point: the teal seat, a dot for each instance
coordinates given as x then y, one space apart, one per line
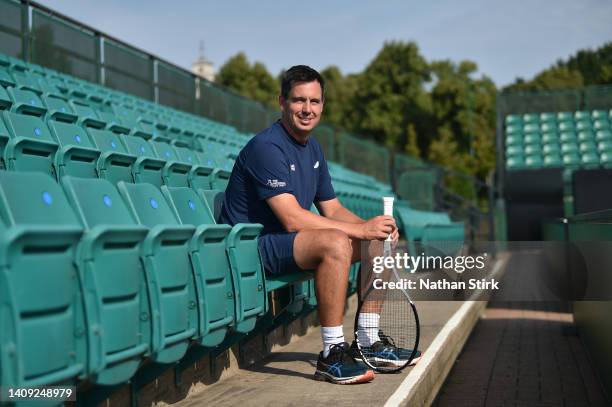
602 124
115 163
566 126
548 117
586 136
531 118
571 159
170 277
246 266
207 251
552 148
176 172
26 102
553 160
58 109
201 173
603 135
513 119
514 128
529 128
5 100
584 125
6 79
514 140
565 117
41 340
550 127
87 117
599 114
568 137
533 138
534 149
581 115
569 148
25 80
31 147
513 151
148 168
113 123
606 159
76 156
116 302
588 147
604 146
550 137
533 161
590 159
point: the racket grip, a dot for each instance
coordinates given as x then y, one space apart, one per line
388 209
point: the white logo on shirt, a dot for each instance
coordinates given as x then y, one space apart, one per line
292 166
274 183
316 165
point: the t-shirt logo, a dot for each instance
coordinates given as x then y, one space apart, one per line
292 166
274 183
316 165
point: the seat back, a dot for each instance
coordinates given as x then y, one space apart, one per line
115 163
148 167
77 155
38 291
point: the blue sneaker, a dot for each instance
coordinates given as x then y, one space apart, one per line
340 367
384 353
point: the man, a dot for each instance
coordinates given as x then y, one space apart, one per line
278 175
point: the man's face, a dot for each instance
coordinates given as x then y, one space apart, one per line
303 107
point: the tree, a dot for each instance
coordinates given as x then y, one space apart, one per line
339 94
252 81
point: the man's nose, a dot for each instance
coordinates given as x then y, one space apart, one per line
306 107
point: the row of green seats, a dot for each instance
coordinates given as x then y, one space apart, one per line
548 117
555 138
586 160
529 128
106 276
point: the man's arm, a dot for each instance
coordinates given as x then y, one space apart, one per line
333 209
294 218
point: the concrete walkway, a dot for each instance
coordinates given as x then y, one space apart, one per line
285 377
523 354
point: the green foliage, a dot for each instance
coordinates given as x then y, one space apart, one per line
252 81
585 68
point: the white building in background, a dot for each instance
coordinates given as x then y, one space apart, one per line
203 67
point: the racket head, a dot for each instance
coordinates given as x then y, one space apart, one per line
395 317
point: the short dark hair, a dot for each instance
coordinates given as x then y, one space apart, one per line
300 73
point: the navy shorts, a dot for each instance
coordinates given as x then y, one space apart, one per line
276 251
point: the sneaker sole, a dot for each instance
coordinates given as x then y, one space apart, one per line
368 376
396 362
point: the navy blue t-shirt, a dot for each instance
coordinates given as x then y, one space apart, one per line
270 164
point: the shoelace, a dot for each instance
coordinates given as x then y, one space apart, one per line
344 349
386 339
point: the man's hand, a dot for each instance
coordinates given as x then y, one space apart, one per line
379 228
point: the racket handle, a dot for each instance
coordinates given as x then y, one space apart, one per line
388 209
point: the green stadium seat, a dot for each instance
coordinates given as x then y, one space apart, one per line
76 156
514 163
176 173
588 147
210 262
565 117
601 124
6 79
57 82
31 147
109 266
584 125
586 135
514 119
512 151
548 118
552 160
603 135
571 159
87 116
26 102
246 266
5 100
599 114
148 167
112 122
533 138
58 109
531 128
606 159
170 277
604 146
200 174
581 115
515 139
41 319
590 159
548 138
534 149
568 137
534 161
552 148
115 163
550 127
531 118
514 128
566 126
24 80
569 148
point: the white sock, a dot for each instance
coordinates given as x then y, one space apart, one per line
331 336
367 328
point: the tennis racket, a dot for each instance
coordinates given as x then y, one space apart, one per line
386 325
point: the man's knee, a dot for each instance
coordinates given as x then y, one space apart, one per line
336 245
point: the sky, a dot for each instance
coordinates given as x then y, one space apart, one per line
507 39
